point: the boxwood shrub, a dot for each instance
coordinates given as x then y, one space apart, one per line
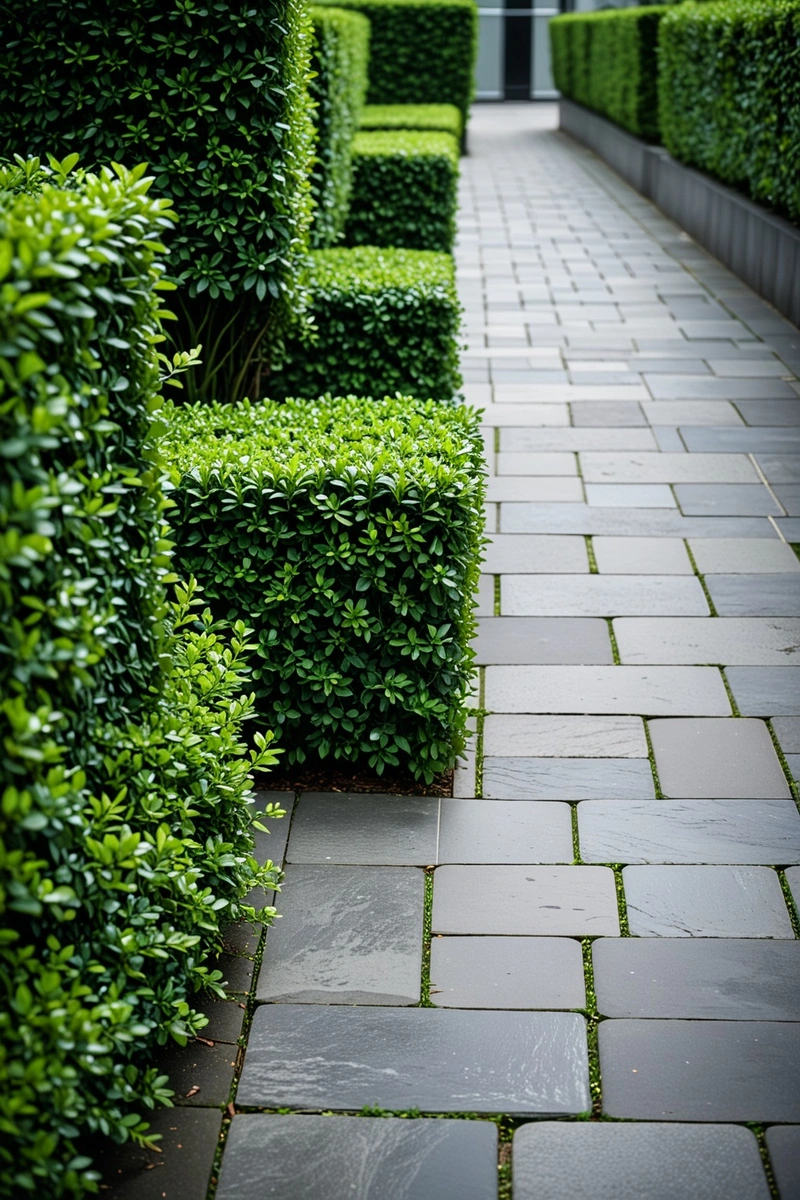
338 86
405 186
444 118
349 531
729 94
608 62
214 97
386 321
125 832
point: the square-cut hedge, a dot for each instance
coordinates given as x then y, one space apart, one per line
405 186
348 533
441 118
339 61
386 321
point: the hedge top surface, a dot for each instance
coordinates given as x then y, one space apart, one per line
406 143
371 269
445 118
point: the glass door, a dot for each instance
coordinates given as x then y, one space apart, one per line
514 49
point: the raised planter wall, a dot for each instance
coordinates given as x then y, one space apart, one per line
762 249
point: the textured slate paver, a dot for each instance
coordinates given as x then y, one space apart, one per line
654 691
520 735
715 901
530 487
537 553
629 495
734 641
741 556
627 522
497 972
558 1161
378 830
525 901
543 640
180 1167
783 1144
766 691
667 468
436 1060
726 500
641 556
717 757
602 595
338 1158
700 1070
479 831
689 831
200 1075
347 935
567 778
793 880
720 979
746 595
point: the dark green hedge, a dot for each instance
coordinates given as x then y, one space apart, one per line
215 99
338 86
444 118
608 62
729 93
421 51
387 321
349 533
125 834
405 190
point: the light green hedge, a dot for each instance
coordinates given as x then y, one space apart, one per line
387 321
405 190
348 531
444 118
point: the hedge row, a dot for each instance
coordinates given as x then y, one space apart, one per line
444 118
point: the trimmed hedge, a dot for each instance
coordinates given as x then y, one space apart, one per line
338 86
125 833
608 62
215 99
729 94
349 531
421 51
387 321
443 118
405 190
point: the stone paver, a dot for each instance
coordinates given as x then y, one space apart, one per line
525 901
783 1144
654 691
538 554
602 595
726 500
498 972
177 1167
733 556
667 468
732 641
765 691
715 901
746 596
581 640
641 556
558 1161
717 757
505 831
567 778
376 830
519 735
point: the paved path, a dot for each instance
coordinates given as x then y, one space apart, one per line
613 929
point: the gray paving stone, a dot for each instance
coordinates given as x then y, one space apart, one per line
523 553
351 830
787 731
667 468
691 412
347 935
339 1158
700 1070
544 464
567 778
642 556
742 441
704 832
742 368
543 640
625 522
225 1018
789 527
200 1075
793 880
629 495
765 691
602 595
485 597
717 757
753 596
748 641
780 468
435 1060
178 1169
545 488
793 765
716 901
517 445
519 735
669 439
709 979
783 1144
687 387
770 412
496 972
504 831
606 414
558 1161
726 500
653 691
525 901
743 556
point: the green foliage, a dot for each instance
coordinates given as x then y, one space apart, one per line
349 531
445 118
729 94
125 832
607 61
405 190
421 51
386 321
338 86
214 98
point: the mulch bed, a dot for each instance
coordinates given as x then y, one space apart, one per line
347 778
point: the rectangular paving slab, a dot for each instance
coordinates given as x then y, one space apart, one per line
630 495
667 468
560 1161
742 441
724 901
178 1166
726 500
745 832
347 935
732 641
543 640
628 522
537 553
700 1070
525 901
370 829
517 735
709 979
567 778
721 757
340 1158
641 556
497 972
742 556
783 1144
751 596
519 446
505 831
601 595
653 691
765 691
787 731
435 1060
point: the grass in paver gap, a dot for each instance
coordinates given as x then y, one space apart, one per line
760 1132
624 929
497 595
701 578
794 915
793 788
427 924
731 698
576 846
795 546
652 757
613 639
481 717
592 1021
593 568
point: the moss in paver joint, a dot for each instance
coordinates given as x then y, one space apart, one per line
793 788
427 923
624 929
761 1137
653 766
576 846
497 595
613 639
702 581
731 698
592 1021
794 915
593 568
481 717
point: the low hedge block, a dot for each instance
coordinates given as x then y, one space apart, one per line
387 321
404 190
441 118
348 532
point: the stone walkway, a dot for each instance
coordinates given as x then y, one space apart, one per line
613 929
